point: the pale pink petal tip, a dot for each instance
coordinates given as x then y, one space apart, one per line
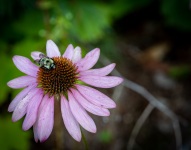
25 65
102 82
96 97
69 52
89 60
19 97
52 49
100 71
32 111
35 55
21 82
35 133
70 122
21 108
94 109
81 115
77 55
45 120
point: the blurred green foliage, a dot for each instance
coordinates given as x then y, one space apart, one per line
177 13
27 24
12 136
180 72
105 136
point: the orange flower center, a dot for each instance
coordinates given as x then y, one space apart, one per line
59 79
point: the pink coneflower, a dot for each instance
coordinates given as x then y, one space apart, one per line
59 77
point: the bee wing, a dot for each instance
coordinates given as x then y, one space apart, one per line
41 55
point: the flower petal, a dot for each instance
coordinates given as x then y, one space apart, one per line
52 49
35 55
32 110
21 82
89 60
35 133
70 122
77 55
94 109
21 108
96 97
45 120
69 52
25 65
99 72
102 82
20 96
81 115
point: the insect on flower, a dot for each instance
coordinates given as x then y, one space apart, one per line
65 76
45 61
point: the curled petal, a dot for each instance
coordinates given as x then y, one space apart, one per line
25 65
94 109
102 82
21 82
51 49
89 60
44 124
99 72
96 97
69 52
81 115
21 108
70 122
32 110
20 96
77 55
35 55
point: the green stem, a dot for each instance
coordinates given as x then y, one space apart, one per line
58 125
84 141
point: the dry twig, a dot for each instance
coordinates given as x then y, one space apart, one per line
153 103
138 125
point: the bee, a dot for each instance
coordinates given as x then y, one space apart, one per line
45 62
